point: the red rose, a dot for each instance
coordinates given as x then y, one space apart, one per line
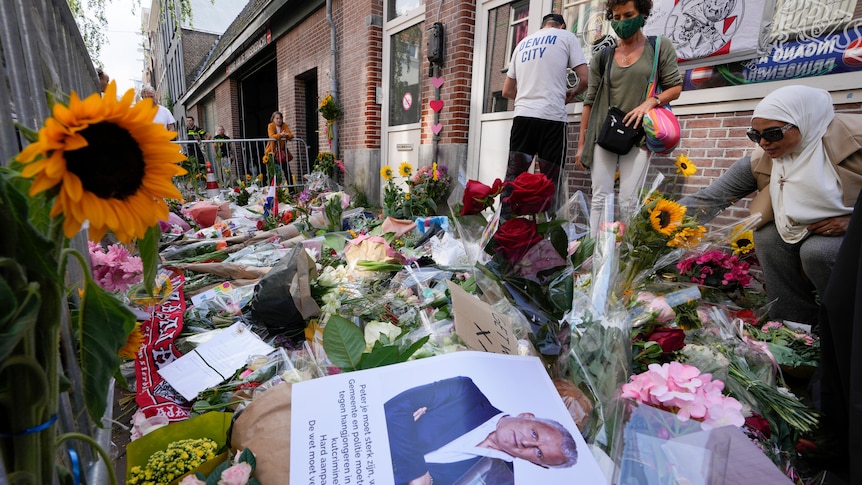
478 196
515 237
531 193
670 339
759 423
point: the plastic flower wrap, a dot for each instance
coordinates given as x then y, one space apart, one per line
179 458
656 236
684 390
430 181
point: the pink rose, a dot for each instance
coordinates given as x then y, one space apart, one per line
236 475
192 480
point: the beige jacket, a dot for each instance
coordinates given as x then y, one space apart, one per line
843 144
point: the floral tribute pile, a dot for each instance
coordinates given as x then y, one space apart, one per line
652 311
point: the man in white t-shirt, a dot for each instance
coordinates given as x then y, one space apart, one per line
164 115
537 81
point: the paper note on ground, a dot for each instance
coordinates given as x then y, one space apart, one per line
479 326
215 361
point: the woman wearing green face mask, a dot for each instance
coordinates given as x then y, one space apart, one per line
627 77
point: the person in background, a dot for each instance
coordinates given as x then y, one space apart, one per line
279 134
537 81
195 134
223 154
808 169
164 115
628 76
104 79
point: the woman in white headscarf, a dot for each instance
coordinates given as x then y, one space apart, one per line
815 179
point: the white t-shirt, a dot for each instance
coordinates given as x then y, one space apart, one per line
164 117
539 65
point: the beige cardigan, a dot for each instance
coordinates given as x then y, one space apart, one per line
843 144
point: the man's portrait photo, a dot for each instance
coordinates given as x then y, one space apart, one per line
448 432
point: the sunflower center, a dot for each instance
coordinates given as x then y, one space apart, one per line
743 243
111 165
663 218
683 166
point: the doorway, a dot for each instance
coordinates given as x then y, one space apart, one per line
258 98
312 118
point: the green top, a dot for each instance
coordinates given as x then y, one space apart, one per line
629 87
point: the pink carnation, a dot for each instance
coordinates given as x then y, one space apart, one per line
682 389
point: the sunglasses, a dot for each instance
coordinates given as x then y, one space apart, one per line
771 135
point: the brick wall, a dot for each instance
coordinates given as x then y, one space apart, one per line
712 142
196 45
458 19
227 107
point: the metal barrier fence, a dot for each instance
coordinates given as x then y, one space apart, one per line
234 160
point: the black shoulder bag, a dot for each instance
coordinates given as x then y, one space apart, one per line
615 136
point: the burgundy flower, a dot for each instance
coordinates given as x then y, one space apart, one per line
515 237
478 196
531 193
758 423
670 339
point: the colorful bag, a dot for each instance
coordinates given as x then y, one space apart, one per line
660 124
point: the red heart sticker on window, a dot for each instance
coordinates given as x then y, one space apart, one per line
436 105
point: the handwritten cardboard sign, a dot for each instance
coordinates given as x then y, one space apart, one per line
479 326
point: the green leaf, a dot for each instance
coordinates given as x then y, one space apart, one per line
215 475
149 249
343 342
105 325
22 318
379 357
413 348
248 457
21 240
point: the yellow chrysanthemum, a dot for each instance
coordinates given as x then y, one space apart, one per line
405 170
666 216
687 237
743 242
435 174
386 173
113 166
684 166
133 343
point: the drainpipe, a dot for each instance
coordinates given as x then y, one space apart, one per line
333 73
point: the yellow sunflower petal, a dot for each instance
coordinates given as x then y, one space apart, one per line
72 186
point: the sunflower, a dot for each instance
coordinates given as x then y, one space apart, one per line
386 173
687 237
133 343
666 216
110 163
405 170
684 165
742 242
